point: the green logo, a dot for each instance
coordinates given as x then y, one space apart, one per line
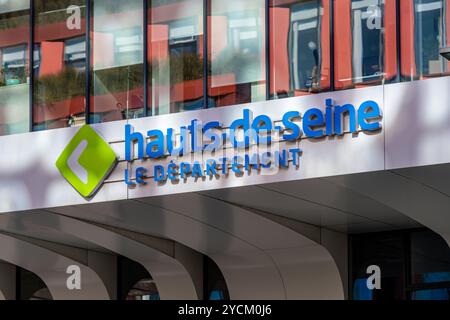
86 161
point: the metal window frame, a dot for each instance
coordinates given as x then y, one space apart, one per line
398 41
331 18
205 54
18 279
31 67
267 46
87 92
145 52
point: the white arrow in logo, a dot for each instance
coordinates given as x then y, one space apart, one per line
74 164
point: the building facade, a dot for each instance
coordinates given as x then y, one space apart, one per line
212 149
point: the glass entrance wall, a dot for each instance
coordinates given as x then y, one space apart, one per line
14 66
414 265
154 57
430 267
385 250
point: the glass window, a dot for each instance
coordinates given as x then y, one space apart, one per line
430 266
431 294
385 250
430 258
59 64
299 47
214 285
365 42
425 25
236 52
414 264
175 54
14 66
117 75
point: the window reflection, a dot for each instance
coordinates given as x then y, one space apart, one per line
299 47
430 258
425 24
14 66
59 64
431 294
175 55
365 53
430 266
365 48
419 256
144 289
236 55
117 60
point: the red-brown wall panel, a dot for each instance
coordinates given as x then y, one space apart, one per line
408 61
279 56
325 46
342 44
52 58
390 60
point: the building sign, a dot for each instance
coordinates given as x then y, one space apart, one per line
197 150
86 161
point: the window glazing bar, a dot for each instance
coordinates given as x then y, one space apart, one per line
145 51
88 62
31 66
205 54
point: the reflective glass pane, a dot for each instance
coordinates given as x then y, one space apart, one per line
299 47
236 52
431 294
385 250
424 27
117 75
430 258
14 66
175 54
59 64
365 42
